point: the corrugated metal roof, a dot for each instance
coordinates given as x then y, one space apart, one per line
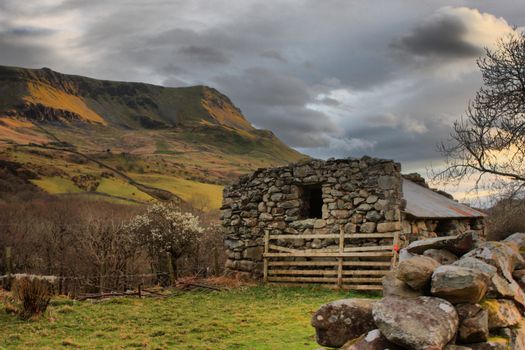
425 203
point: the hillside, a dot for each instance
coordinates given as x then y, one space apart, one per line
188 141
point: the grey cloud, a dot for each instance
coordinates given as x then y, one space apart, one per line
27 32
266 87
274 61
204 54
440 36
274 54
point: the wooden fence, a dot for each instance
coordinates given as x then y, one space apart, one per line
350 266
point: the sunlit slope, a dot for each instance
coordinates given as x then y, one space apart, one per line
189 141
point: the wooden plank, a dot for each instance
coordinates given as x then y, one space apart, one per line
302 279
300 253
339 274
331 286
362 287
302 272
367 263
307 236
369 235
329 263
369 249
283 249
362 279
365 272
333 236
305 263
322 279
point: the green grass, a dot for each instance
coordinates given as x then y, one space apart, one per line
202 195
119 188
248 318
56 185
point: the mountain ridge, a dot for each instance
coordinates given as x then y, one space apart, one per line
157 135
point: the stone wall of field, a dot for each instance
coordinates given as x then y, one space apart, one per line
358 196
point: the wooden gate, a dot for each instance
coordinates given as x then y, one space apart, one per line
350 266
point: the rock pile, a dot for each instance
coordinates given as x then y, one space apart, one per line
451 293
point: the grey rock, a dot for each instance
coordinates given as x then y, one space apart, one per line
502 313
416 271
442 256
459 284
373 340
459 244
420 323
395 287
340 321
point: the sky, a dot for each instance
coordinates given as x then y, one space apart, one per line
331 78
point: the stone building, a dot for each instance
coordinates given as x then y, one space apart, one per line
346 198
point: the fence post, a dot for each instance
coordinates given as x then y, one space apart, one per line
340 259
265 260
8 266
395 252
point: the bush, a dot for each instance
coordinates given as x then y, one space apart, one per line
505 218
34 295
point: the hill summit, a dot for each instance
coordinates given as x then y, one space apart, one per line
151 133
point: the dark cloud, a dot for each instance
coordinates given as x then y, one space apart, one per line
26 32
442 36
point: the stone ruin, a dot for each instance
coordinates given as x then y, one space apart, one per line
451 293
363 195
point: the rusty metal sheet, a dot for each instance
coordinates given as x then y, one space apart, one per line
425 203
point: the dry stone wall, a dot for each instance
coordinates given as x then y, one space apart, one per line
357 195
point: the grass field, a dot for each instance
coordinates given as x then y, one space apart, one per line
243 318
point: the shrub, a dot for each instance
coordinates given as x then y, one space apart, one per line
33 294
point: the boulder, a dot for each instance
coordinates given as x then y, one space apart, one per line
456 347
373 340
442 256
518 238
459 244
459 284
519 277
416 271
393 286
517 336
502 313
495 343
341 321
473 323
478 264
505 257
420 323
499 287
404 254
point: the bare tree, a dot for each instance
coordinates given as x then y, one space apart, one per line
490 137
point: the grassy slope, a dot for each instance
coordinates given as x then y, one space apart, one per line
211 143
251 318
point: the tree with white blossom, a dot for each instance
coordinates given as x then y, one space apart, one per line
165 229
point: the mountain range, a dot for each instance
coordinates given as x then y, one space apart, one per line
75 135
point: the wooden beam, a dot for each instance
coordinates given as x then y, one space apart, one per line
327 254
333 236
369 249
329 263
283 249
